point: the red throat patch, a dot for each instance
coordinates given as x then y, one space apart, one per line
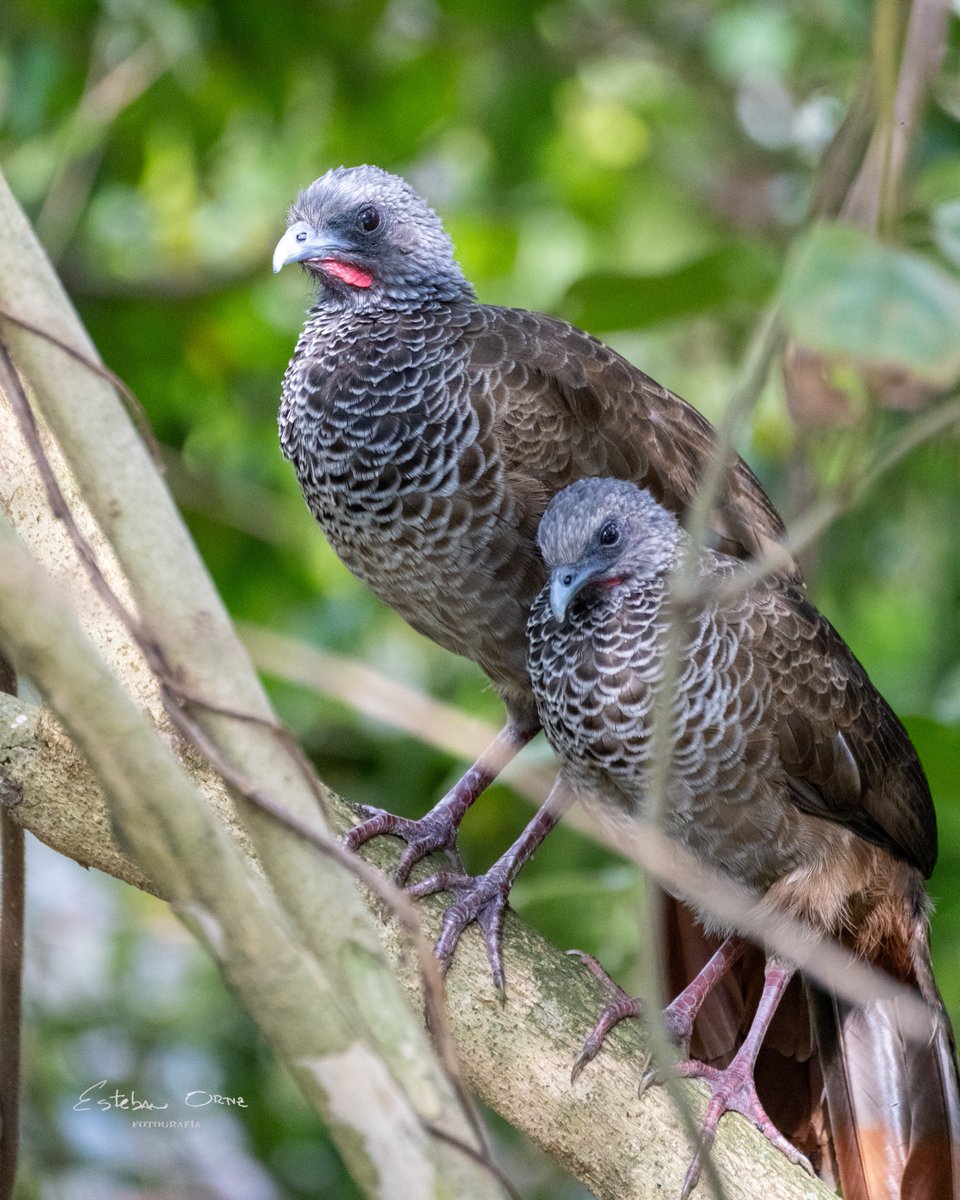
348 273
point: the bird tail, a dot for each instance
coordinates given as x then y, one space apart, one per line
893 1102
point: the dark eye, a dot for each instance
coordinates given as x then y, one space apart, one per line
609 535
368 218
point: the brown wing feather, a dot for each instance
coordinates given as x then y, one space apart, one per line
846 754
567 406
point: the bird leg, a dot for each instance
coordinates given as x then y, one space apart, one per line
678 1016
483 898
681 1012
732 1089
437 829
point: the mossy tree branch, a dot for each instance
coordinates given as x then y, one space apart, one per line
517 1056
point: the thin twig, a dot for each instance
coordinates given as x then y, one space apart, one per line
366 690
100 104
682 587
872 197
134 408
443 1136
389 893
12 387
827 961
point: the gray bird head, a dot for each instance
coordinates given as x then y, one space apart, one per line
369 238
604 532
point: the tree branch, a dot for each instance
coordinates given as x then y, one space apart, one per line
518 1057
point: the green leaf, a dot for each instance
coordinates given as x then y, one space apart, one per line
737 272
845 293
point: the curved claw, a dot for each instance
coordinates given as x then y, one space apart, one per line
434 831
376 821
648 1075
620 1008
483 898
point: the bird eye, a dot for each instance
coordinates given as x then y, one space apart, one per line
368 218
609 535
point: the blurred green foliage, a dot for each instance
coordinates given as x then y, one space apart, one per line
642 168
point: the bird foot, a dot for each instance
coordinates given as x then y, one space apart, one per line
437 830
483 898
731 1090
620 1008
679 1024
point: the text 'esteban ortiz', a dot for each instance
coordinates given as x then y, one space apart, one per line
199 1098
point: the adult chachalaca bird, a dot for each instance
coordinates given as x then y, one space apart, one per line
428 433
789 772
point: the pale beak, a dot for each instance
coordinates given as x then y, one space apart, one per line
302 241
565 582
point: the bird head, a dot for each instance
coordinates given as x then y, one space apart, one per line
367 236
600 533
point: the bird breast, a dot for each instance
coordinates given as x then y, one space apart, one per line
596 678
399 465
376 421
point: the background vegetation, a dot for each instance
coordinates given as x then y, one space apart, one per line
644 169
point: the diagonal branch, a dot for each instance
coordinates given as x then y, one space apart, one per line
517 1056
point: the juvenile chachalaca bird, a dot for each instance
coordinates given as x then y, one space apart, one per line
789 772
428 433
